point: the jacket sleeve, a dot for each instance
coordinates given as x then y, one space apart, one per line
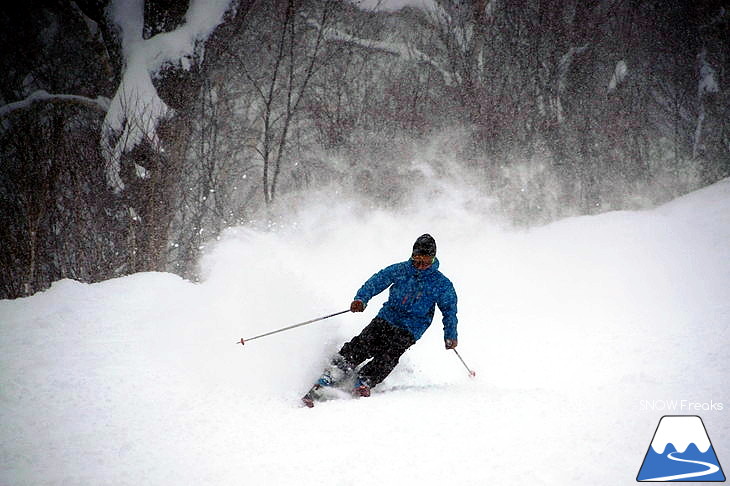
376 284
447 306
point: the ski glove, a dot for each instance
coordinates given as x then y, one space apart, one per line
451 343
357 306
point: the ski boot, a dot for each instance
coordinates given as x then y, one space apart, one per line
333 374
361 388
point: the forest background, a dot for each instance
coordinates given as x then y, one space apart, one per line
552 108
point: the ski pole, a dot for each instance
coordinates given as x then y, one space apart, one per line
244 341
471 373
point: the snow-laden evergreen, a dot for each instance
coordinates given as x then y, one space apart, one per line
581 332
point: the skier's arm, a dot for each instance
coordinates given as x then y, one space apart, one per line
376 284
447 306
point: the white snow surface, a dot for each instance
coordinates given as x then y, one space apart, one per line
572 328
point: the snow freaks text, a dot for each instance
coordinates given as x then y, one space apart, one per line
680 406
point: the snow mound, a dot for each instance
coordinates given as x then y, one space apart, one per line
570 327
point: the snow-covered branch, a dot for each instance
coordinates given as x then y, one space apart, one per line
393 48
562 78
708 76
136 97
99 103
619 73
564 65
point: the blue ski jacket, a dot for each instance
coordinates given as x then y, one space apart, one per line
413 296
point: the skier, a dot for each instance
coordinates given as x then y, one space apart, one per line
416 288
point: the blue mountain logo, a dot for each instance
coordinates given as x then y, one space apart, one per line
681 451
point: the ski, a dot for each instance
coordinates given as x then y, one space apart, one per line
338 381
322 393
311 396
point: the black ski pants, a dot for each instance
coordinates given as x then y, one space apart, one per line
381 341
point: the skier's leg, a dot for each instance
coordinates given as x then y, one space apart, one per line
362 346
386 354
354 352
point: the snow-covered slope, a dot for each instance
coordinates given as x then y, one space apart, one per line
581 332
